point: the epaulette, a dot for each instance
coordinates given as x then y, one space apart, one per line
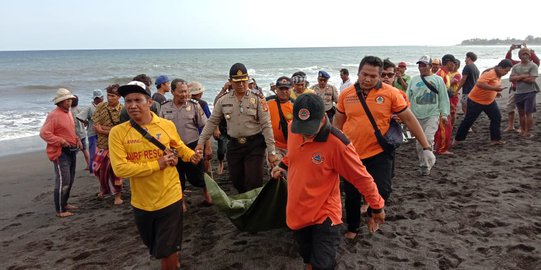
193 101
165 102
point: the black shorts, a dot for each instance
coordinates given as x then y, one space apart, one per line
161 230
318 244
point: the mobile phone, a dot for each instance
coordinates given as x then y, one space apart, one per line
518 46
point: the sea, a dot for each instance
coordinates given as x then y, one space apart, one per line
29 79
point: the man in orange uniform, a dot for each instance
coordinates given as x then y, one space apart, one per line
317 154
442 139
281 109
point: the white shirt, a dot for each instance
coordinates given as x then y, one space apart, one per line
344 85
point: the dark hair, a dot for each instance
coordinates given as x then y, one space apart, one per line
372 61
75 101
472 56
175 82
387 64
113 89
505 63
299 73
144 79
344 71
457 63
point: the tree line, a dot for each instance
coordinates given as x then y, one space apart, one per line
496 41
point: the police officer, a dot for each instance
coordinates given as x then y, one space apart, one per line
188 117
248 128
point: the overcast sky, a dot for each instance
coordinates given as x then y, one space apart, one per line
119 24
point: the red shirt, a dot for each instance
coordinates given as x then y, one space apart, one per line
58 126
313 177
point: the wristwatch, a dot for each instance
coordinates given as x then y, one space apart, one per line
427 148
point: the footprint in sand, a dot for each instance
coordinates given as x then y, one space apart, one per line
82 256
521 247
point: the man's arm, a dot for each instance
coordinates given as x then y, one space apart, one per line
414 127
47 133
339 120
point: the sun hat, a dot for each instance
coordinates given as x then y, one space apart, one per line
196 88
133 87
308 111
62 94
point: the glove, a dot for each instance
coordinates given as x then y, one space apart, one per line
430 158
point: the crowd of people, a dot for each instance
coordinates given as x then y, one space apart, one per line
314 136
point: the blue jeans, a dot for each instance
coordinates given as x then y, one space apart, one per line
473 112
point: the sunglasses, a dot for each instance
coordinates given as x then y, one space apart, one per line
388 75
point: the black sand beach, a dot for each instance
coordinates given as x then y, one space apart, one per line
479 209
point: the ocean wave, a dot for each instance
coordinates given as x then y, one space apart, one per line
16 125
40 87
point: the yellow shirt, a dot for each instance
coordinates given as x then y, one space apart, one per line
135 157
294 95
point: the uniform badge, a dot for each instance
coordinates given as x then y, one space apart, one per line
252 100
289 116
227 116
304 114
317 158
189 108
264 105
379 100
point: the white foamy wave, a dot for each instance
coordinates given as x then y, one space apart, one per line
349 65
16 125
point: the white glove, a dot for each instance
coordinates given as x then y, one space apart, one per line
429 157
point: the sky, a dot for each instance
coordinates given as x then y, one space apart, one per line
138 24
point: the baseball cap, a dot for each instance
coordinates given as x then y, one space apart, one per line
298 79
425 59
436 61
323 74
308 111
97 93
283 82
448 57
133 87
238 73
161 79
402 64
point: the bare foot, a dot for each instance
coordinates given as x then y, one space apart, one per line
208 199
118 199
64 214
350 235
184 207
364 208
221 168
497 142
101 196
372 225
509 129
71 207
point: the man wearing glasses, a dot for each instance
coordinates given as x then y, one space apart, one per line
327 92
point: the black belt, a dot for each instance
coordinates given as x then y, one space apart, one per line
243 140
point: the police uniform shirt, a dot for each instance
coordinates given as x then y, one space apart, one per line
187 118
329 95
244 118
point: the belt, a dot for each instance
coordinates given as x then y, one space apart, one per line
243 140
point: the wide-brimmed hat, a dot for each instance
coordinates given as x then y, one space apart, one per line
196 88
62 94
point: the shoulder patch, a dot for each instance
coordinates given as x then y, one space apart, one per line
341 136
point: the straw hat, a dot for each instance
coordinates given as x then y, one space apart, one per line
62 94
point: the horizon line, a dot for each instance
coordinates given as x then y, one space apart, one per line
226 48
